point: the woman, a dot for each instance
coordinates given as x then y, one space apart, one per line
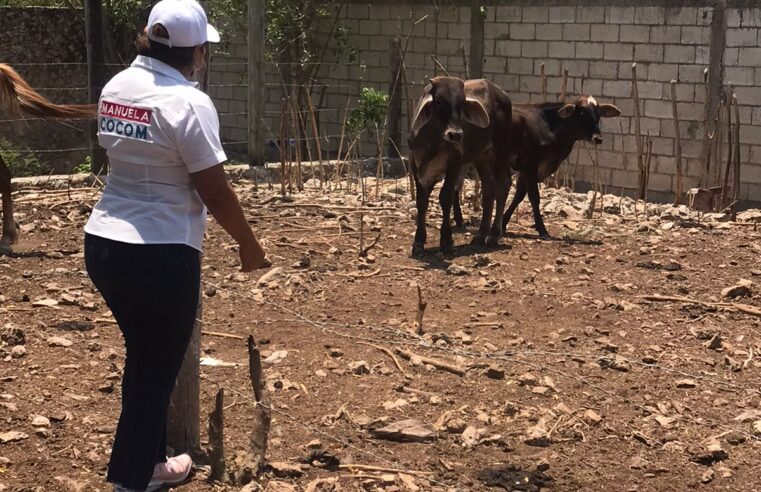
144 238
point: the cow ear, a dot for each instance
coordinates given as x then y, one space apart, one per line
609 111
423 114
475 113
567 111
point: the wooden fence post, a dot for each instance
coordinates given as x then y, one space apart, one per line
95 78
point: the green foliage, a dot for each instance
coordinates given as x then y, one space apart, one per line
371 111
21 162
84 167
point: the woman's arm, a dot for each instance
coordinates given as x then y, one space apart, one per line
220 199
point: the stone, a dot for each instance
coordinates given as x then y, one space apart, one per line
285 470
708 476
742 289
359 368
275 486
59 342
591 417
748 416
686 383
12 436
40 421
457 270
495 373
18 351
410 430
470 436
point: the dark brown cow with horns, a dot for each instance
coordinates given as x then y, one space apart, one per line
457 123
18 98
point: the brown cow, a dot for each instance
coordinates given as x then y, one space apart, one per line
17 97
544 136
457 123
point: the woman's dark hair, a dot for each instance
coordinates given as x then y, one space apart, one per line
178 58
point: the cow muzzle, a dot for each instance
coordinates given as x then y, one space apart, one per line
597 139
453 136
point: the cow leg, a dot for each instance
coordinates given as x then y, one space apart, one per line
497 228
533 197
520 194
459 224
422 197
10 233
446 197
487 205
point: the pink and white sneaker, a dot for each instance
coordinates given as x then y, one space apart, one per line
173 472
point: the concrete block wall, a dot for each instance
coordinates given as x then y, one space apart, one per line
596 42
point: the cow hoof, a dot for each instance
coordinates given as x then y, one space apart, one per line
492 241
447 249
418 249
478 241
5 249
544 235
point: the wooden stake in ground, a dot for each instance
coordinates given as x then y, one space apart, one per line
262 412
466 68
281 144
544 83
638 132
444 366
420 312
316 134
736 184
730 148
217 438
678 146
564 86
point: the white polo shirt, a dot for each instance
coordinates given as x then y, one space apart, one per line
157 128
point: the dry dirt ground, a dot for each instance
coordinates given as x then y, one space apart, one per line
573 380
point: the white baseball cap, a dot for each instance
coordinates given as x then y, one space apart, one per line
185 21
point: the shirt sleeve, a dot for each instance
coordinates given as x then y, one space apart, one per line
198 137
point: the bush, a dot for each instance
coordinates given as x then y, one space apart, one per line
21 162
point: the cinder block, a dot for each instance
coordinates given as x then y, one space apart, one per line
523 31
448 14
562 15
529 83
576 68
648 53
576 32
691 73
369 27
616 88
590 14
593 87
562 50
750 134
702 55
424 45
732 56
508 14
705 16
358 11
604 32
536 14
650 90
740 76
619 15
690 111
458 31
604 70
684 16
589 51
695 35
618 51
548 32
520 66
534 49
495 64
751 17
507 48
742 37
749 57
660 182
379 11
658 109
679 54
748 96
649 15
634 34
495 30
665 34
625 71
663 72
627 179
551 66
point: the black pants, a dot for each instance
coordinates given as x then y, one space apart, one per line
152 291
